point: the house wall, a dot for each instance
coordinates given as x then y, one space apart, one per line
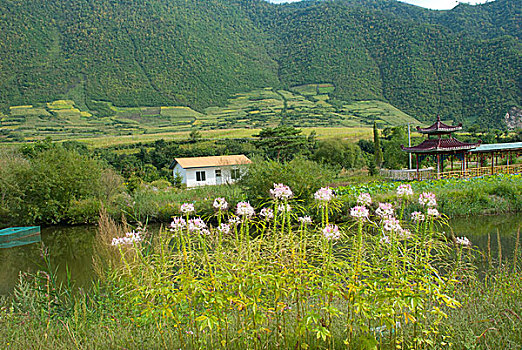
189 175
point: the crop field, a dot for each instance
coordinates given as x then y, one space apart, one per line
307 106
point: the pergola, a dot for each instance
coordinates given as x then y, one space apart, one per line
440 147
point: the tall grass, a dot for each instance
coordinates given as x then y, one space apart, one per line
378 280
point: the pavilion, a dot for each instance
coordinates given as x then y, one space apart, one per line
443 148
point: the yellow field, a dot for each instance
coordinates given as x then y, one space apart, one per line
322 133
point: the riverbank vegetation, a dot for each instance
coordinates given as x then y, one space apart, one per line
282 275
67 183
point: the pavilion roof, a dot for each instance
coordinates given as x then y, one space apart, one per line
440 146
439 128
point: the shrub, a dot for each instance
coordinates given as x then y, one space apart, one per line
302 175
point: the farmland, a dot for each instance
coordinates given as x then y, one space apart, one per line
306 106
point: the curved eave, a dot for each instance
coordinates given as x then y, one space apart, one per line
435 146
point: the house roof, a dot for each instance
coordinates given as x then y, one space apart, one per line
214 161
439 128
440 145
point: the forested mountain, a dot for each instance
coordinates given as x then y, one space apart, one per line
463 64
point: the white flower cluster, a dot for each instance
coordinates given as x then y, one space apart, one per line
178 223
427 199
463 241
404 190
267 213
331 232
220 204
305 220
433 212
130 238
391 224
324 194
417 216
284 208
359 212
281 191
187 208
245 209
224 229
197 225
364 199
385 210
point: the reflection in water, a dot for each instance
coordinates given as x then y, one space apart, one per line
477 230
67 246
72 247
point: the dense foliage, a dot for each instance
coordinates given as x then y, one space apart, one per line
462 64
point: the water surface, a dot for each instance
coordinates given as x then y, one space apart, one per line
72 247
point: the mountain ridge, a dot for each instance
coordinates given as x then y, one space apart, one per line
165 52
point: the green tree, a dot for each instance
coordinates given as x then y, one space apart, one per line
283 143
377 144
338 152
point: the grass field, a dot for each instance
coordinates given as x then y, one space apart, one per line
306 106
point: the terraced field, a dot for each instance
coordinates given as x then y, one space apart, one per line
305 106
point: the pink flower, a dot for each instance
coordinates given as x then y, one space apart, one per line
324 194
177 223
385 210
245 209
417 216
197 225
427 199
391 224
281 191
331 232
404 190
359 212
364 199
267 213
220 204
305 220
187 208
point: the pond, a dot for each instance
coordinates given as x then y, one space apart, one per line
72 247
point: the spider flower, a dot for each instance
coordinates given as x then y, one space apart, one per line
130 238
391 224
433 212
427 199
417 216
324 194
331 232
359 212
404 190
305 220
463 241
220 204
224 229
267 213
364 199
385 210
281 191
178 223
187 208
245 209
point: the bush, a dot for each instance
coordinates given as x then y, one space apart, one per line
302 175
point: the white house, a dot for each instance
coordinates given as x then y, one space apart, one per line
216 170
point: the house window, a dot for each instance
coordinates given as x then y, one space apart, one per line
235 174
201 176
218 172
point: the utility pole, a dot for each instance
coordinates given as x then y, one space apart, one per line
409 144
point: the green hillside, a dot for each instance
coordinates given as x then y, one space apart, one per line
303 106
463 64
